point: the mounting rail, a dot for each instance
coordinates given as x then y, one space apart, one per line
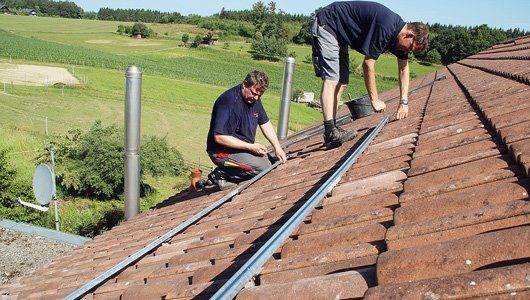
253 266
94 283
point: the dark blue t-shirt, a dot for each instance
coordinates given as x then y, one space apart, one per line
368 27
231 115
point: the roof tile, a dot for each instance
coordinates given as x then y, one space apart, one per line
454 256
344 285
502 282
463 224
461 200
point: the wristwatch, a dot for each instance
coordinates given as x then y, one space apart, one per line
404 101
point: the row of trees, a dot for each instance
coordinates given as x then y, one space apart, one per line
227 26
448 43
139 15
264 24
248 15
271 29
155 16
63 9
452 43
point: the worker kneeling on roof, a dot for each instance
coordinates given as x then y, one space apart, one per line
231 142
371 29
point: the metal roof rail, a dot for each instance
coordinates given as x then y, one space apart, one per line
94 283
253 266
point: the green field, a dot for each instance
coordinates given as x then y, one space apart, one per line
179 87
180 84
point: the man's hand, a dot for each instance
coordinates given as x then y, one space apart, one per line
280 154
402 112
378 105
258 149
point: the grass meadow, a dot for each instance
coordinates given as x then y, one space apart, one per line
179 87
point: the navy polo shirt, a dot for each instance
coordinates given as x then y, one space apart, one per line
368 27
232 115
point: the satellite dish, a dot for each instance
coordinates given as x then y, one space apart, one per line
43 184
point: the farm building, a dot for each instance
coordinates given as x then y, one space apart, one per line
29 12
4 9
209 41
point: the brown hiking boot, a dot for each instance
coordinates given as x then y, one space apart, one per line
337 137
347 135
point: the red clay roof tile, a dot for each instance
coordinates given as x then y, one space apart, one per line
509 282
345 285
454 257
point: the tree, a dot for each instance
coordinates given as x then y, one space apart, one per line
271 8
304 35
267 21
433 56
185 39
11 187
141 29
90 15
196 41
259 11
269 48
91 164
7 177
222 13
270 39
121 29
454 43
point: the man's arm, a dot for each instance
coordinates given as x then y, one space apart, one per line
235 143
268 132
369 82
404 79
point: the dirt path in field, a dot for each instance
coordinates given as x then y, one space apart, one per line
35 75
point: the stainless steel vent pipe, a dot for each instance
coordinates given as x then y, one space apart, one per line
283 119
133 95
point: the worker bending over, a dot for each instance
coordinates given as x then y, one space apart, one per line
371 29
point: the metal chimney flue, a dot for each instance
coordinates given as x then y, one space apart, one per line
133 95
283 120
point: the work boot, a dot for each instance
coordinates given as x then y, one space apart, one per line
347 135
224 185
202 183
337 137
217 178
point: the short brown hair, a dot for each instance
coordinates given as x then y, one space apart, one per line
421 34
257 78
